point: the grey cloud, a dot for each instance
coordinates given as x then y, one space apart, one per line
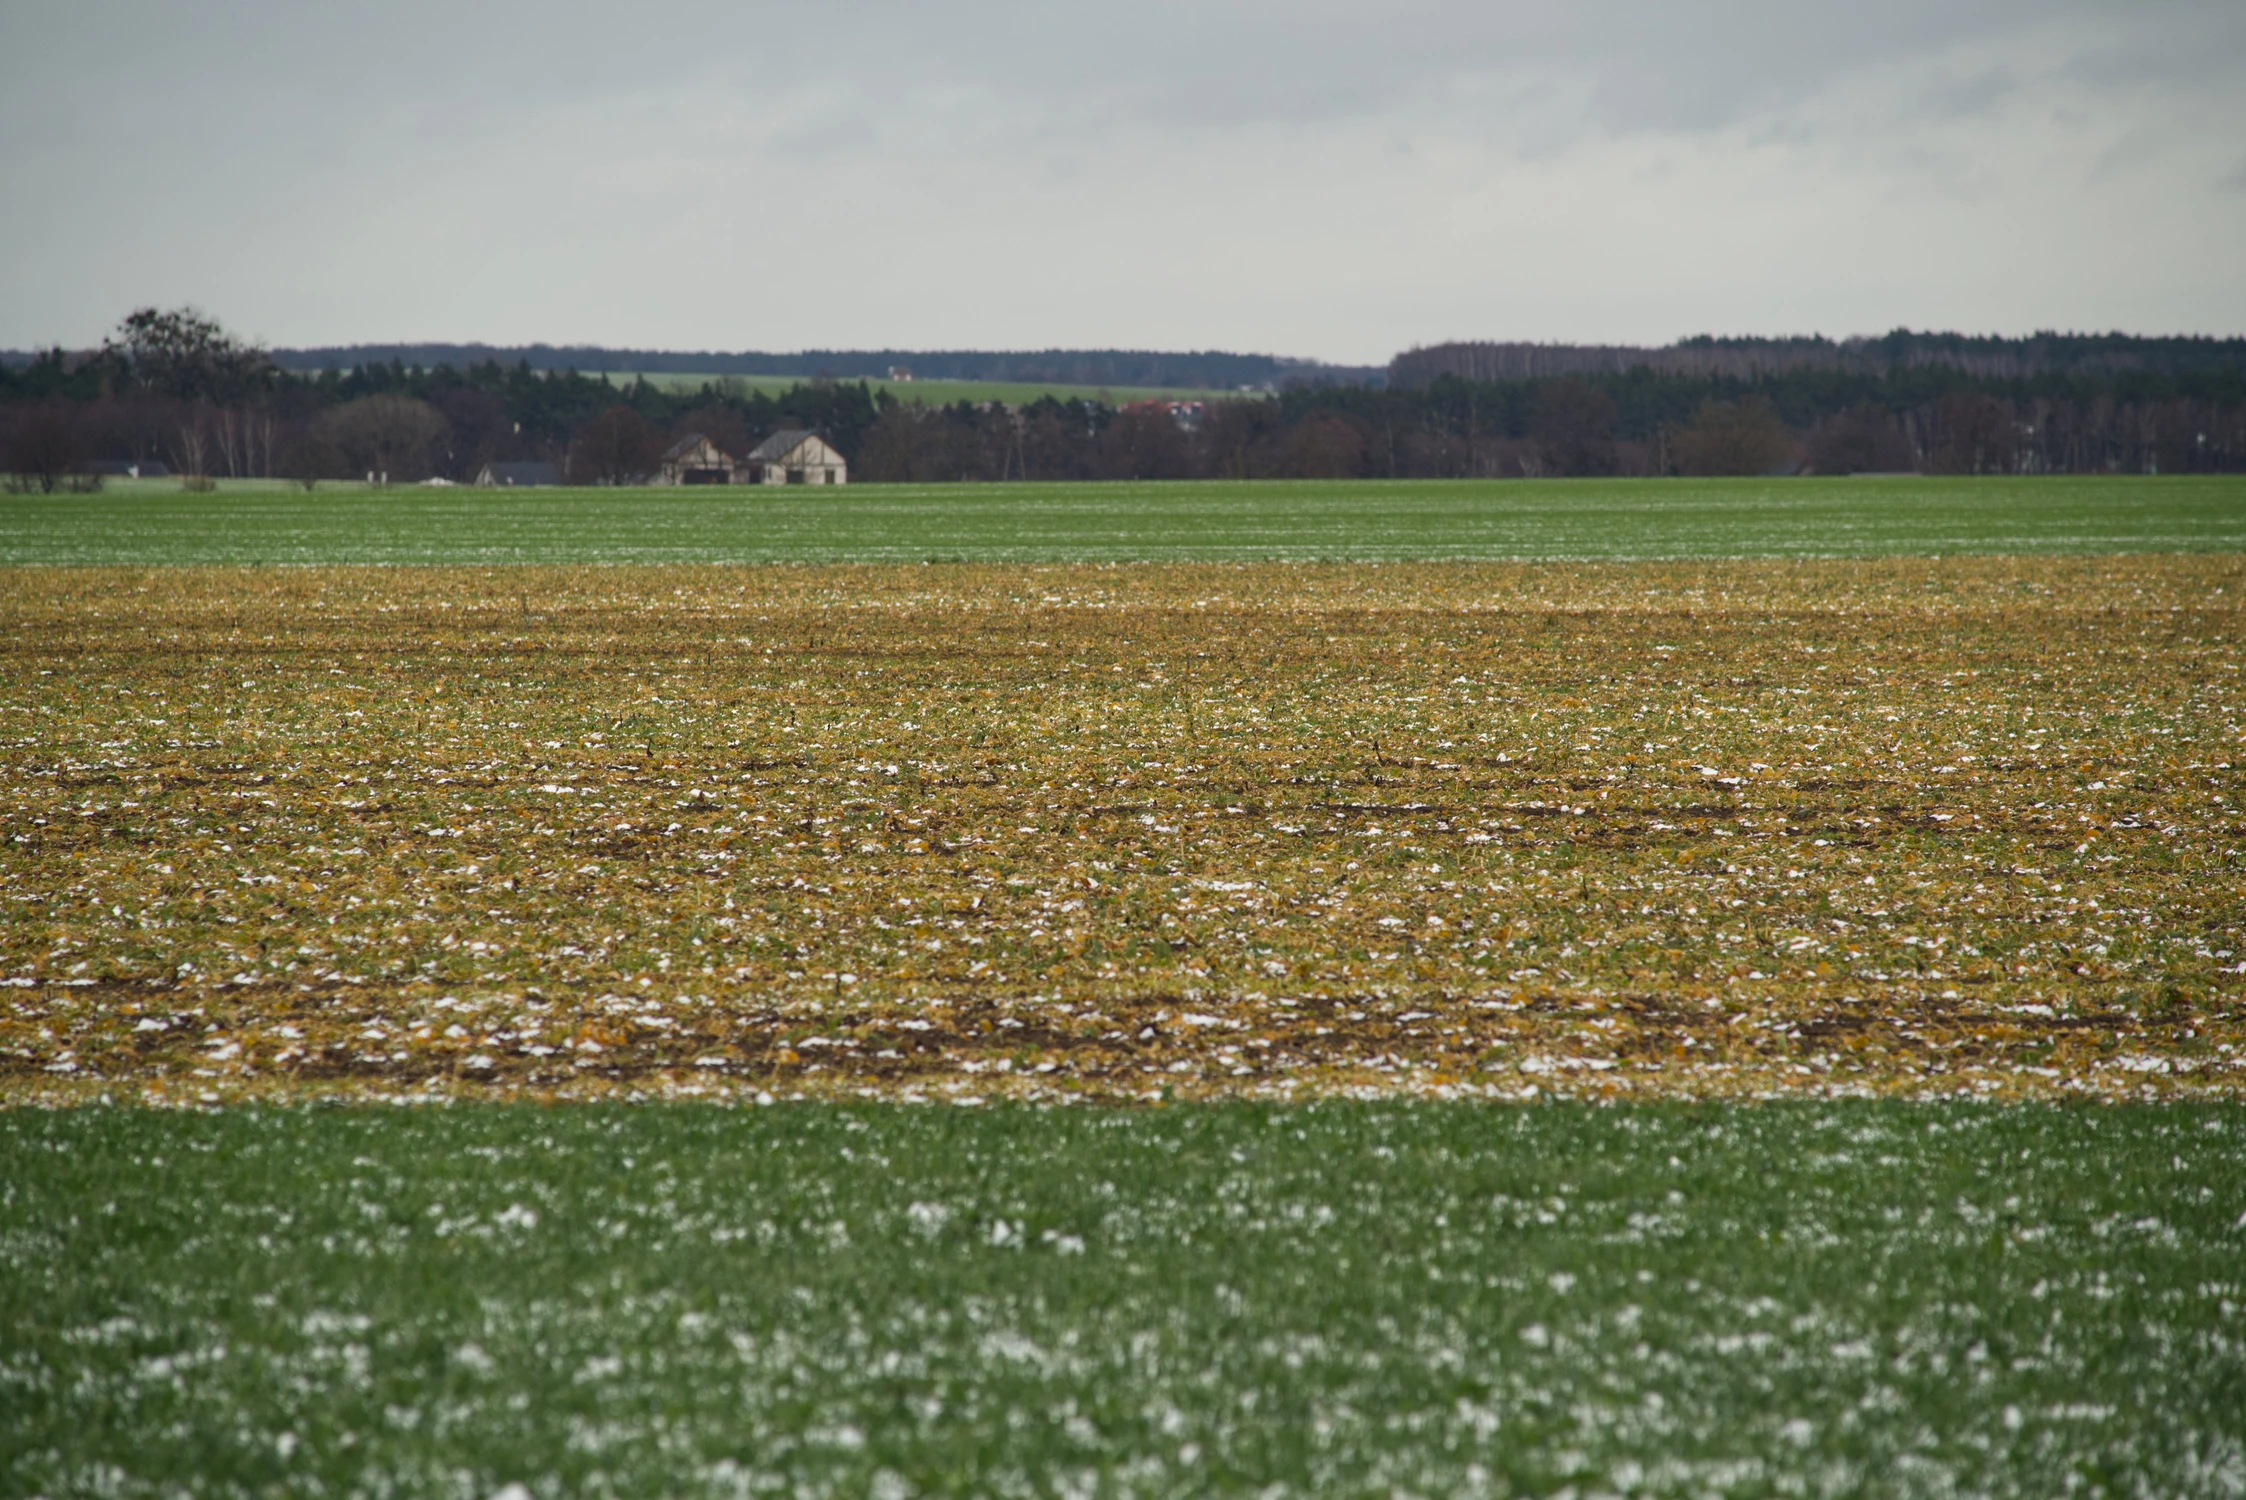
1652 65
1957 98
1320 176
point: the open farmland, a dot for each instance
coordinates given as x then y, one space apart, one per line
1711 829
1839 1298
144 525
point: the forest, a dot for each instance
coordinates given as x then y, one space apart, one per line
175 388
1198 369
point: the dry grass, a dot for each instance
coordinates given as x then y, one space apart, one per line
1709 829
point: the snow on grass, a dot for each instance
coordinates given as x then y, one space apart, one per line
1804 1298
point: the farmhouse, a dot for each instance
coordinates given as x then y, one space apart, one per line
793 456
511 475
694 459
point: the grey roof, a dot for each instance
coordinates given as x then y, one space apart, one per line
684 445
777 446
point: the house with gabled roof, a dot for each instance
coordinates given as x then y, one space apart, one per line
794 456
694 459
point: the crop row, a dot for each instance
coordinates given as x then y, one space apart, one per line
1706 829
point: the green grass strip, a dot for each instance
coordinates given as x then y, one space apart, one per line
262 524
1835 1298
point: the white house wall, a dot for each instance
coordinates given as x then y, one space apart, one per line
819 463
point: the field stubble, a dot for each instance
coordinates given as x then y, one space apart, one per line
1707 829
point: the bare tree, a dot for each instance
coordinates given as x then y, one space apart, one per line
1574 426
481 430
310 459
1734 437
615 447
1237 438
191 449
44 450
1325 446
1143 442
1974 434
224 429
1863 439
892 450
391 435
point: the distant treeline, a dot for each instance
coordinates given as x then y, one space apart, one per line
2054 403
2079 354
1633 424
174 388
61 415
1210 370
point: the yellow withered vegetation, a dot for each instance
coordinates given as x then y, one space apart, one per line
1693 830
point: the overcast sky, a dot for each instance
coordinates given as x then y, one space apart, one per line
1335 180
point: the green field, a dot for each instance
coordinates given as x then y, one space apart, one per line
1187 521
941 392
1815 1299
